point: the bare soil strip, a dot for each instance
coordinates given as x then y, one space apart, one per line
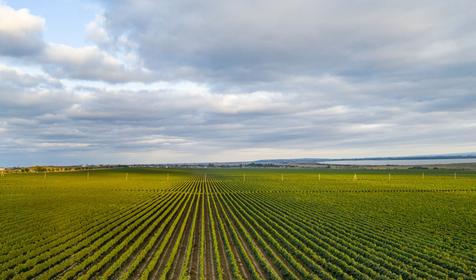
194 270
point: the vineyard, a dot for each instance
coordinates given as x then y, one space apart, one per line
238 224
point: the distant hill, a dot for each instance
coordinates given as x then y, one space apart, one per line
321 160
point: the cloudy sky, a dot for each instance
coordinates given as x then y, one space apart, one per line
142 81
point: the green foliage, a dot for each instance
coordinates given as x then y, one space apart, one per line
276 224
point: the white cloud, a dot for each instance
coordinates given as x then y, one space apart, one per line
18 78
20 32
50 145
88 63
96 33
21 35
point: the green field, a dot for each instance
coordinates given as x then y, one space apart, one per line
238 224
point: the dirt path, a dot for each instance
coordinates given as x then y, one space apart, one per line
179 262
209 256
159 268
194 270
244 242
153 250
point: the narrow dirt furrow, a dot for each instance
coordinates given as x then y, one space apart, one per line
180 262
145 261
232 258
227 206
195 263
158 213
148 239
244 271
88 250
154 250
102 227
223 257
244 243
222 267
159 269
209 265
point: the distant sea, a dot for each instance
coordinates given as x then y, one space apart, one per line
402 161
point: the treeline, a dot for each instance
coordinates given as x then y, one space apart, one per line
41 169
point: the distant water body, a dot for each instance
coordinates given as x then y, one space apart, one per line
402 161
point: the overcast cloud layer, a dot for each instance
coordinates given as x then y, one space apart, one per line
189 81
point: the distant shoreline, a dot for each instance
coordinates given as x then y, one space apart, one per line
402 162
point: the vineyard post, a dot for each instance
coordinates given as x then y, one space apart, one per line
389 177
244 177
423 175
44 176
282 178
319 176
455 175
127 175
355 177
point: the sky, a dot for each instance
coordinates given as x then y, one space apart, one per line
98 81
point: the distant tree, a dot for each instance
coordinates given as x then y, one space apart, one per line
38 169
